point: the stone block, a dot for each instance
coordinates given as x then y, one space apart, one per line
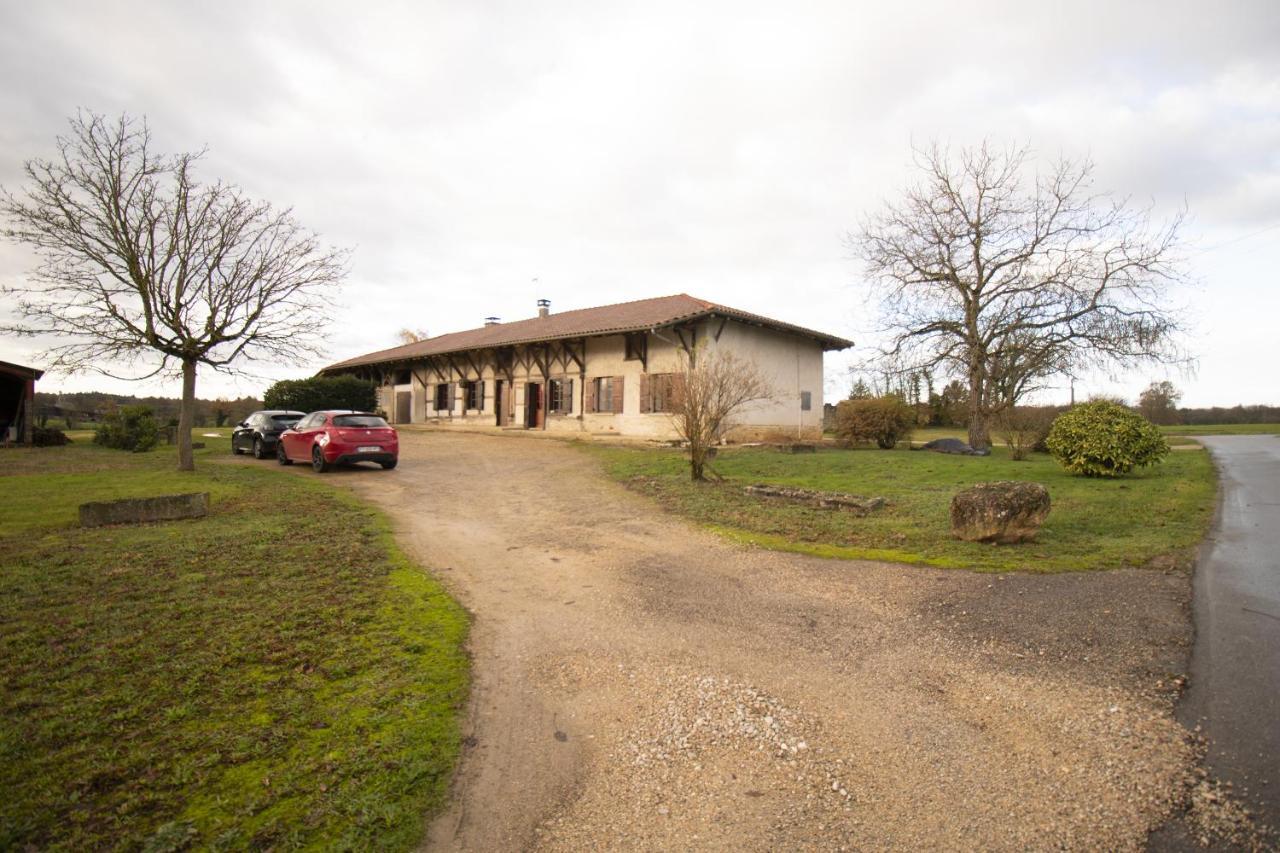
141 510
1005 512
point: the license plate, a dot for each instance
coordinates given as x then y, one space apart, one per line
368 448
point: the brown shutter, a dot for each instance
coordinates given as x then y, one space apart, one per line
589 395
453 396
567 385
617 395
646 402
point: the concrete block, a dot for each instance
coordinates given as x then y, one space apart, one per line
140 510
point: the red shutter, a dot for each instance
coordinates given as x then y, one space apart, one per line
617 395
646 389
589 395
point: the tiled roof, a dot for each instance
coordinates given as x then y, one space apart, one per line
586 322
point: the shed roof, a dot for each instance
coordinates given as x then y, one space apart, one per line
624 317
20 370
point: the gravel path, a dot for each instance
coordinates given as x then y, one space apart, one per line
641 684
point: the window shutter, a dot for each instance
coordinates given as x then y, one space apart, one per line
453 396
567 387
646 401
480 394
617 395
589 395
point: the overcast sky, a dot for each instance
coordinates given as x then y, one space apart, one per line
618 151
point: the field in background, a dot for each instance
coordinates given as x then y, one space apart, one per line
1222 429
276 674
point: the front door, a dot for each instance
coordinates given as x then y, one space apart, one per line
404 400
533 406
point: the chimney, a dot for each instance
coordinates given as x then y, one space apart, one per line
492 321
544 307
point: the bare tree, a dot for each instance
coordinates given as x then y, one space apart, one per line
1007 279
1159 403
707 393
411 336
141 265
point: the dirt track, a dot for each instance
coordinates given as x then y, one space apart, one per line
641 684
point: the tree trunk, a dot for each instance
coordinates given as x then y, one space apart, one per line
187 416
697 461
979 434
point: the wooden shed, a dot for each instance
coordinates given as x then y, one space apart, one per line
17 402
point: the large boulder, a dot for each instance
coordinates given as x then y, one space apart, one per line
1005 512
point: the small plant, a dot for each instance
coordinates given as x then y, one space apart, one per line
884 420
47 436
1103 439
132 428
1025 428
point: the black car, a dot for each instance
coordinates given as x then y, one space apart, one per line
260 431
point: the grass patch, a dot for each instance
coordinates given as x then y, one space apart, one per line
1094 524
1222 429
276 674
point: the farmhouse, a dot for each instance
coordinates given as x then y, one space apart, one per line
604 370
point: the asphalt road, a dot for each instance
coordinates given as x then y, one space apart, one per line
1234 693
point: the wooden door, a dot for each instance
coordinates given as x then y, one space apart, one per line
404 403
533 414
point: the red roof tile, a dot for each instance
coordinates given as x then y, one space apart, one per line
586 322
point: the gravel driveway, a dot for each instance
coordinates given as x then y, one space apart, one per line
642 684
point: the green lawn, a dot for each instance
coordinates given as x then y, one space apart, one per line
276 674
1222 429
1094 524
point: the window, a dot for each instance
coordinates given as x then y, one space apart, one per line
473 392
366 421
402 377
661 388
560 396
604 394
443 403
637 344
806 401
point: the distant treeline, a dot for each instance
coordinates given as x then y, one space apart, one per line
88 407
1233 415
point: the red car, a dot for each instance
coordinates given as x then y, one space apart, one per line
333 438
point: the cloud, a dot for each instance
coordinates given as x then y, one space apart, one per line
615 151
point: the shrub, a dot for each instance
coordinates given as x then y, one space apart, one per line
1025 428
47 436
322 392
884 420
131 428
1103 439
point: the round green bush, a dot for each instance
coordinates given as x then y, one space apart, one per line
884 420
1103 439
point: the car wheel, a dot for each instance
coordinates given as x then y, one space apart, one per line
317 461
387 466
280 454
258 451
